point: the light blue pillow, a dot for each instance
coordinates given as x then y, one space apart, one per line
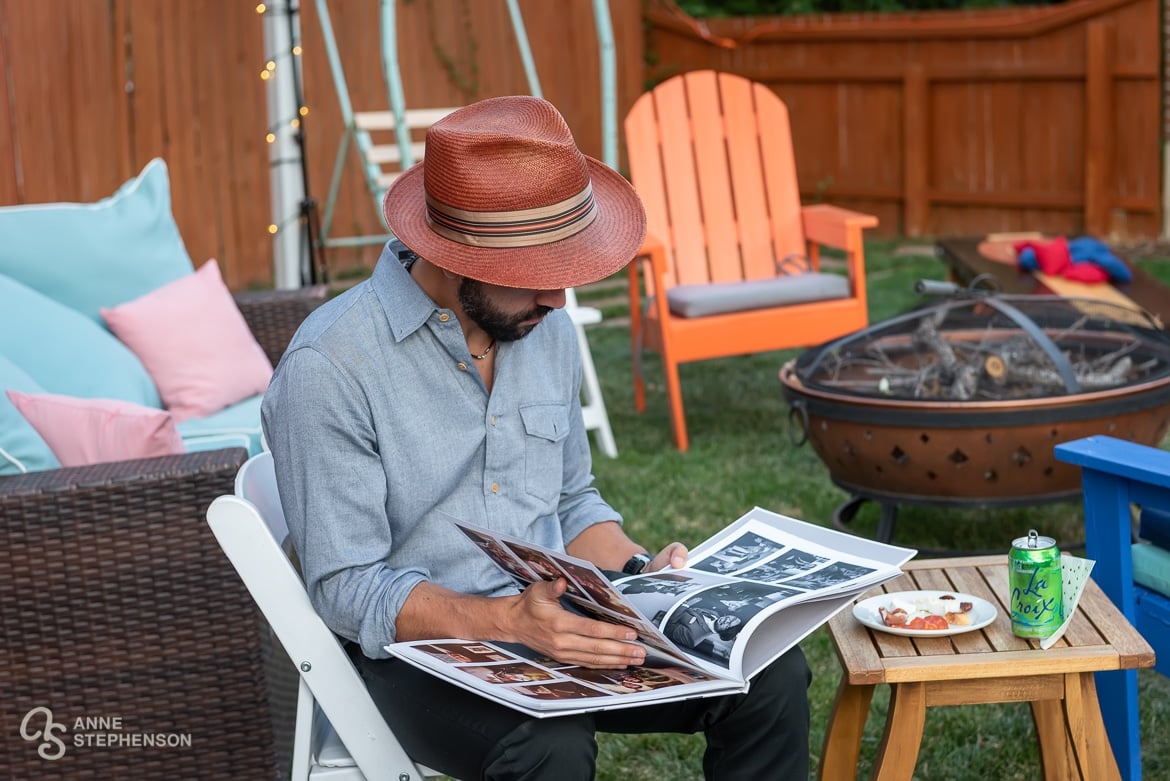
67 353
1151 567
21 447
235 426
93 255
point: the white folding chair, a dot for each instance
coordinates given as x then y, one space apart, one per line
339 732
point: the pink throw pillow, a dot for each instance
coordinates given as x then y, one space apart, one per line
93 431
194 343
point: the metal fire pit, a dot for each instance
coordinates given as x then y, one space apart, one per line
961 402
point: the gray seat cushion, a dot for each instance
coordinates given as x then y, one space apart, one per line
721 297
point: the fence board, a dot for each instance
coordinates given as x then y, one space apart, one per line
939 123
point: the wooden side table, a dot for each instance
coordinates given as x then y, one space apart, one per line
965 261
988 665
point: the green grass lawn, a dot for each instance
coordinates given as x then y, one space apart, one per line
740 456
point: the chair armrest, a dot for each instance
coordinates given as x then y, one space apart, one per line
1118 457
841 229
274 315
833 226
118 602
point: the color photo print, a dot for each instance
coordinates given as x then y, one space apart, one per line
521 670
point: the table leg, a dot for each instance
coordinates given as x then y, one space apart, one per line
898 753
842 745
1086 729
1057 758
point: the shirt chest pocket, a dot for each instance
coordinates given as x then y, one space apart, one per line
546 426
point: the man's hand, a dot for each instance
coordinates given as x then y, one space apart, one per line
673 555
537 619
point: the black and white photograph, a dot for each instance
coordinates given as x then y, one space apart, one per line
745 551
788 564
831 575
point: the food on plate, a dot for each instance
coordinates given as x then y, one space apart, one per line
934 613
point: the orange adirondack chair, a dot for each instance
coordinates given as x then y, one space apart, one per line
733 258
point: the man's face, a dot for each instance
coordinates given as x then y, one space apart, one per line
506 314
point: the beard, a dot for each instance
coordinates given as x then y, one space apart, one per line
499 325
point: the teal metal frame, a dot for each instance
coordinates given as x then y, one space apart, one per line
361 140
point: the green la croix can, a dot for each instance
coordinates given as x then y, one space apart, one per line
1036 586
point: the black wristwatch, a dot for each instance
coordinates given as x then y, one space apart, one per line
636 564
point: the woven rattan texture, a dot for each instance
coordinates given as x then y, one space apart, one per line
117 607
273 315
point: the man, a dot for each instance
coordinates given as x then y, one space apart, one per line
447 385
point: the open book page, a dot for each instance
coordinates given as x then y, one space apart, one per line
748 578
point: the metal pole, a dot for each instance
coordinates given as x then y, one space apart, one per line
284 155
608 89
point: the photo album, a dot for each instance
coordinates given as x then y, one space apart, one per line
747 595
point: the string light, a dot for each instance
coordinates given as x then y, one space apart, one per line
261 8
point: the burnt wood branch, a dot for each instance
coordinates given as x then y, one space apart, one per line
989 367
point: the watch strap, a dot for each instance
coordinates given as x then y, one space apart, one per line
636 564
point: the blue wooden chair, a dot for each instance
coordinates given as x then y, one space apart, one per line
1116 476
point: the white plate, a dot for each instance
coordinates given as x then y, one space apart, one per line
866 611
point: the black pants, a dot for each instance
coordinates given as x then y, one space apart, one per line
759 735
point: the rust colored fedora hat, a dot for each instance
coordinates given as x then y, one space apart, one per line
505 197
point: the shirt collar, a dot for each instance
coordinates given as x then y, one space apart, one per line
406 305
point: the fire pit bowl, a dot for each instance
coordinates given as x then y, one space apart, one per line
962 401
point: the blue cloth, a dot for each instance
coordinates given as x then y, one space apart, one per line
381 427
1026 259
1086 249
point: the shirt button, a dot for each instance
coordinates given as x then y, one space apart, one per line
493 420
462 366
495 488
444 317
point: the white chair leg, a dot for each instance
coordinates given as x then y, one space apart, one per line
592 403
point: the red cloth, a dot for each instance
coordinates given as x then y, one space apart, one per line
1053 258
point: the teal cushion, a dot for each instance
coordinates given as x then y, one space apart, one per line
1151 567
717 298
66 352
234 426
93 255
21 447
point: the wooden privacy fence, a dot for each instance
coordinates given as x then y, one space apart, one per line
1041 118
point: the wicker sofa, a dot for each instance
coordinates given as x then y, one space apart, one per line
130 647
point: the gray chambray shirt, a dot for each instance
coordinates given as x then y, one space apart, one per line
380 424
